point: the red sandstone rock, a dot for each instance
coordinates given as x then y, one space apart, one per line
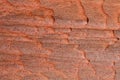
59 40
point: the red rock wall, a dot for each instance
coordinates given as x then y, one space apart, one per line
59 40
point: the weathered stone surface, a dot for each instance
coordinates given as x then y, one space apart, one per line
94 12
62 30
19 19
88 33
117 33
111 8
59 40
66 9
102 56
19 29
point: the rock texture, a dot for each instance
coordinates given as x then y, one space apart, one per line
59 40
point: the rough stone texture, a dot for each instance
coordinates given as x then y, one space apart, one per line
59 39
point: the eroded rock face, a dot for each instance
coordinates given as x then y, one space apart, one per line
59 40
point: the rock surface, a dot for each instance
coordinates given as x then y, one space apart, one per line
59 39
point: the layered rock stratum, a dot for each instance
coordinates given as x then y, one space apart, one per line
59 40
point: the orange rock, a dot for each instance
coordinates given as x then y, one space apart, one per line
59 40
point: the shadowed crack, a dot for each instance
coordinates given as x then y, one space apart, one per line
87 19
102 7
